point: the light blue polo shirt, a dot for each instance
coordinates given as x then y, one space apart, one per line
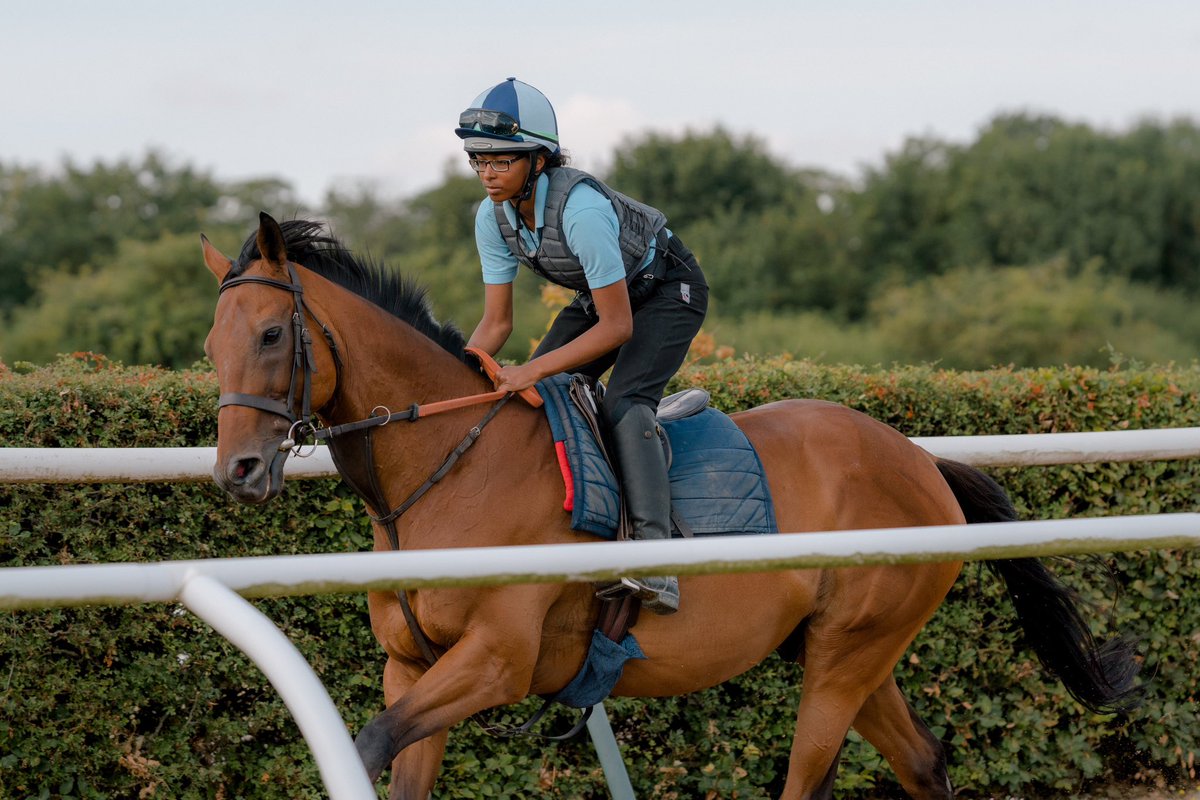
590 228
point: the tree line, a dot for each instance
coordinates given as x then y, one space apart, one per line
1040 242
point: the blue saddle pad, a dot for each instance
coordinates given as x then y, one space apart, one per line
717 480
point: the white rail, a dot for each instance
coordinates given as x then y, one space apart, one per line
280 576
143 464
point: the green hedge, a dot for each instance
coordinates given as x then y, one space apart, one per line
147 701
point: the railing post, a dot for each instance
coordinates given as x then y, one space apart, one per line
609 753
318 719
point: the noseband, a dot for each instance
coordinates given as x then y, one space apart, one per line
302 363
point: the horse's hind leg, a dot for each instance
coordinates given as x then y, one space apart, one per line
851 647
887 721
822 722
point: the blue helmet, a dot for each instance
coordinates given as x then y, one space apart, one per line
509 117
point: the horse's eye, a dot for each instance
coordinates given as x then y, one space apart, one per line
272 336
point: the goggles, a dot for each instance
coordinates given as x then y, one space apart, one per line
496 123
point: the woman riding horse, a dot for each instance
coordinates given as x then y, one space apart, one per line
641 296
306 333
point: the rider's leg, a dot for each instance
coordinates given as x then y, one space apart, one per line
647 492
664 324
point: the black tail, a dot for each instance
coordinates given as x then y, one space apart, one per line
1101 676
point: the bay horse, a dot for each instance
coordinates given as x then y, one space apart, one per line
303 328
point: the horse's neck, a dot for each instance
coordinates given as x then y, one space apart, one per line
386 362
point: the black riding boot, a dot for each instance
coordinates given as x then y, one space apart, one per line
647 490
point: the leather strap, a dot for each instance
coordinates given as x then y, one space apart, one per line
491 368
618 616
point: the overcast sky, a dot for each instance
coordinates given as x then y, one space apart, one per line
337 92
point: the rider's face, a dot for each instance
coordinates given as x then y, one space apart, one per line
502 185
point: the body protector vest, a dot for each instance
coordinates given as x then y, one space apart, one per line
638 223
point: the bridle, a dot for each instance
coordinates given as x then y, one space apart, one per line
301 425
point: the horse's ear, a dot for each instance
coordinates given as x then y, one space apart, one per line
271 245
216 262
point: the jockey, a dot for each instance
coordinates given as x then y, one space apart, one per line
640 294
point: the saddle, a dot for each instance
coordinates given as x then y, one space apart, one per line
717 481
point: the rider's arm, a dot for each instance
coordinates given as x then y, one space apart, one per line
496 326
613 328
499 267
591 231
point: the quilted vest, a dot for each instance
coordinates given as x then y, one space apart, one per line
638 223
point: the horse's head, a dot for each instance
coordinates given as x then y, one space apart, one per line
272 371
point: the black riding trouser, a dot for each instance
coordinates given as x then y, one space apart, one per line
669 298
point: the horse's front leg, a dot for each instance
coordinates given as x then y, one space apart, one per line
491 665
415 769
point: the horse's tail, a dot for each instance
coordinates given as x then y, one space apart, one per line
1101 676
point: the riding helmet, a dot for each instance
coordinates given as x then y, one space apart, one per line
511 116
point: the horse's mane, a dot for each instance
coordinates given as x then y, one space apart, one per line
311 247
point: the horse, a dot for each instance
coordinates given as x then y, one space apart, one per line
308 334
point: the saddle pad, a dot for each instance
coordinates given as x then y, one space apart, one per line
717 480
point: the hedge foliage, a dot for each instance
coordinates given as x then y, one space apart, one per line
146 701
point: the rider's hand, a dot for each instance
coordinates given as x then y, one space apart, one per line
517 377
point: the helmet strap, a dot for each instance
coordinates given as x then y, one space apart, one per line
530 181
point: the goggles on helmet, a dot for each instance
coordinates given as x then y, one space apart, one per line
485 121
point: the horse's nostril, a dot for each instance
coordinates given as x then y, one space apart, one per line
244 467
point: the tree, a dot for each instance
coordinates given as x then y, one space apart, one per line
1032 187
150 303
1041 315
80 215
789 257
701 175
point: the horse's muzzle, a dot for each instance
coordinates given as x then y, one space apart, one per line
251 478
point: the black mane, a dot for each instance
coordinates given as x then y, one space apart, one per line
311 247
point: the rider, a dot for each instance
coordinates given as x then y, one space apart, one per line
640 295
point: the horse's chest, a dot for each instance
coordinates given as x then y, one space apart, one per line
440 623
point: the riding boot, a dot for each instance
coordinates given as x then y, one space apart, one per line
647 491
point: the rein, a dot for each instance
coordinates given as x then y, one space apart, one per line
303 426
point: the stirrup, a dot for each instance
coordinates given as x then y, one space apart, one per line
659 601
623 588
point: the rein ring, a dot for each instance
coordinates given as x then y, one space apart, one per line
290 442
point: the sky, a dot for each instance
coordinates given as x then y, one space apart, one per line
348 93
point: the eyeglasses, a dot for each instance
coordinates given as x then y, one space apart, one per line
497 164
494 122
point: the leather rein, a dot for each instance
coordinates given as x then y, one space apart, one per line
304 426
